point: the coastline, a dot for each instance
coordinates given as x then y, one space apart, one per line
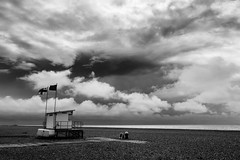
157 127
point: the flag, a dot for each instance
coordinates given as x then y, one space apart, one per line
53 87
41 91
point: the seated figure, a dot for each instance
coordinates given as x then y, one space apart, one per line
126 135
121 136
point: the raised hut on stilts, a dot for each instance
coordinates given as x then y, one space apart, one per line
59 123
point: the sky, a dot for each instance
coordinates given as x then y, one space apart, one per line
121 61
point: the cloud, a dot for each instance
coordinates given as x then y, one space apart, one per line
25 66
36 106
4 71
111 65
33 106
91 109
46 78
135 103
211 83
31 111
190 106
139 103
129 46
58 30
11 106
92 88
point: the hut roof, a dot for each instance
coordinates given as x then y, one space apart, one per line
61 111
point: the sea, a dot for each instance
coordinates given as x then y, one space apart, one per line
181 127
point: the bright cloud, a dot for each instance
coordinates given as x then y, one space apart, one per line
190 106
212 83
33 105
9 105
137 103
44 79
143 103
92 88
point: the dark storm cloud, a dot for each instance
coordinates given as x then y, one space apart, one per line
115 65
142 82
39 65
5 63
17 88
129 73
44 64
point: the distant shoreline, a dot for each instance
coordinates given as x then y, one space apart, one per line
158 127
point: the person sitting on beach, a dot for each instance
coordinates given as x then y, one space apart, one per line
126 135
121 136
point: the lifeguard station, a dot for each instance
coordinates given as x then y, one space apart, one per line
59 123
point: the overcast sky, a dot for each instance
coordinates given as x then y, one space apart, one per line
121 61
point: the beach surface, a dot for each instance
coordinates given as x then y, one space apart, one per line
103 143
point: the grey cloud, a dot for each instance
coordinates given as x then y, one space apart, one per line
112 65
25 66
5 53
181 20
65 21
217 108
228 23
144 36
84 19
4 71
170 112
15 3
145 80
100 36
21 43
119 3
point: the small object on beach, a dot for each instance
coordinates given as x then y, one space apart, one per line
121 136
126 135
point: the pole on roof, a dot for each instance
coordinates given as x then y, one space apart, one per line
45 120
55 103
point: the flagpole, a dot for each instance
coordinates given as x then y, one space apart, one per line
55 117
46 110
55 100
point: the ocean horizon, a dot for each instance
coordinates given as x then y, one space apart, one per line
181 127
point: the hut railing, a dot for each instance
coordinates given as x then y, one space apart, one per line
68 124
77 124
